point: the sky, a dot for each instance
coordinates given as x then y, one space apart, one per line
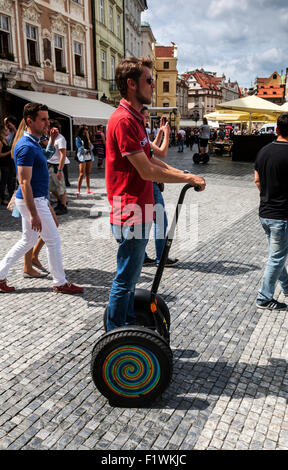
243 39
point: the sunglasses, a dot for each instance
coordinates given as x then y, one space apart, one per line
150 80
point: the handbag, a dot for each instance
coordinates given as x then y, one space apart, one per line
11 203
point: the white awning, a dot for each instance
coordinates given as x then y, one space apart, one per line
83 111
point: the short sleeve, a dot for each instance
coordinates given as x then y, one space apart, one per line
61 143
24 156
128 138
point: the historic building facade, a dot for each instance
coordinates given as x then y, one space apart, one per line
47 45
203 94
166 75
109 46
132 26
147 41
182 97
271 88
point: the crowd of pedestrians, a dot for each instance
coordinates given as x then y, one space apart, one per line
33 181
34 172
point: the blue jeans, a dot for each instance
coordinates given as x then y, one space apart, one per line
181 145
132 241
160 222
277 235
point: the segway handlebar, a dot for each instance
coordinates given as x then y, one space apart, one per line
169 238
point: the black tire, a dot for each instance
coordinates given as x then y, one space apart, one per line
196 158
144 316
131 366
205 158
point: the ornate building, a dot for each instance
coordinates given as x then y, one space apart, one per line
132 26
147 41
166 75
271 88
203 94
47 46
182 96
109 46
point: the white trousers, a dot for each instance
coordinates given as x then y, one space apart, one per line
49 234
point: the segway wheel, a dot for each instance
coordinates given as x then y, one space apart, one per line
131 366
196 158
206 158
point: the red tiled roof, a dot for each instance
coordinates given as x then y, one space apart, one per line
207 81
164 51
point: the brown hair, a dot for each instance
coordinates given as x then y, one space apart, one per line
19 133
131 67
31 110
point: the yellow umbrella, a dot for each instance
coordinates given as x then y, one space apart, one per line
256 108
235 116
250 104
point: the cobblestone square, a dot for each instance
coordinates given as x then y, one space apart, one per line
229 387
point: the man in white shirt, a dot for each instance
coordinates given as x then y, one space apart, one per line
181 139
56 165
204 136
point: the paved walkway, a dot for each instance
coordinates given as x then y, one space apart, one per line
229 388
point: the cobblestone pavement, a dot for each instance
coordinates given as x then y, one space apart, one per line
230 386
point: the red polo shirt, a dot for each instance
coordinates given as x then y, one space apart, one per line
130 197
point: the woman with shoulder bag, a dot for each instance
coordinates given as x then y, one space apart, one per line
85 158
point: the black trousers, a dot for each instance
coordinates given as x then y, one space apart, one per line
8 177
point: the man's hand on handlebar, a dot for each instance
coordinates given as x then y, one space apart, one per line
198 182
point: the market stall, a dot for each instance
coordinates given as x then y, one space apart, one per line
249 109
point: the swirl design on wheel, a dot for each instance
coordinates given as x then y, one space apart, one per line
130 371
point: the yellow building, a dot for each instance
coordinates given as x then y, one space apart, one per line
109 46
166 74
165 62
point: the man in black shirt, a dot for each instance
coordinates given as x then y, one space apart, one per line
271 177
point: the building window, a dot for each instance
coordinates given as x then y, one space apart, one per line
5 38
32 45
59 53
78 59
165 105
103 64
166 65
166 87
101 11
112 67
111 19
118 26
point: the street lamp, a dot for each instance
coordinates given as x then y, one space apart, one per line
195 116
103 98
173 114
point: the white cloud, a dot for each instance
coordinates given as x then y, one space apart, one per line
241 38
222 7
